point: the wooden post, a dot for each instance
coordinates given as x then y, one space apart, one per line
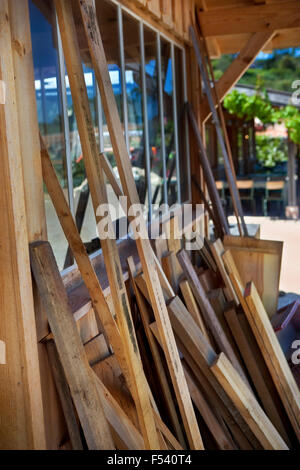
21 408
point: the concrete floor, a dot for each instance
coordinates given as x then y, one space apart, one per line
287 231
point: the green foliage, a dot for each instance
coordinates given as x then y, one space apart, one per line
291 117
248 107
277 71
270 151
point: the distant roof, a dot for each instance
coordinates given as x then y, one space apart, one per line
277 98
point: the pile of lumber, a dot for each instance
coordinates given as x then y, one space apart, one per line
183 355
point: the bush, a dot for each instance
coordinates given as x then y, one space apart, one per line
270 151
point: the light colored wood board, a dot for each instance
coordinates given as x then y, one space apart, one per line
258 261
123 430
217 249
146 320
69 347
87 326
21 405
169 264
111 376
246 403
192 307
208 416
261 338
199 355
96 349
207 311
143 244
249 19
2 352
273 355
256 368
167 13
65 396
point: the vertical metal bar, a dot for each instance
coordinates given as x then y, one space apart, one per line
66 128
123 75
162 121
186 127
146 124
175 123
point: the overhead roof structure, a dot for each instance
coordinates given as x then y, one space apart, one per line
229 24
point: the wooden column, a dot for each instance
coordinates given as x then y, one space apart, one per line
34 196
21 409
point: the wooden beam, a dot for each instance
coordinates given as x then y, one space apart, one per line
247 405
237 69
95 175
209 314
143 244
70 348
256 368
21 407
250 19
65 396
273 355
2 352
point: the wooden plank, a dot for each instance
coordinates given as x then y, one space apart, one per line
217 431
273 355
258 261
167 13
96 349
145 316
193 307
143 244
138 383
249 19
200 356
220 435
217 249
21 406
178 17
69 346
169 263
87 326
65 396
257 370
153 7
246 403
207 311
237 68
2 352
121 426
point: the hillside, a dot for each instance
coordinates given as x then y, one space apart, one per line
277 70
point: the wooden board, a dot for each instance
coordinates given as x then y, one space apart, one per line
69 346
258 261
273 355
192 307
65 396
144 248
21 405
256 368
247 405
2 352
217 249
207 311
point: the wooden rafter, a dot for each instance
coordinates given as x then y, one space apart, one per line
250 19
238 67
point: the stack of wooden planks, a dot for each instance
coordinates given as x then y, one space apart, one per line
183 355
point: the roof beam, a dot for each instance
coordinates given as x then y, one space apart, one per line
252 19
237 69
